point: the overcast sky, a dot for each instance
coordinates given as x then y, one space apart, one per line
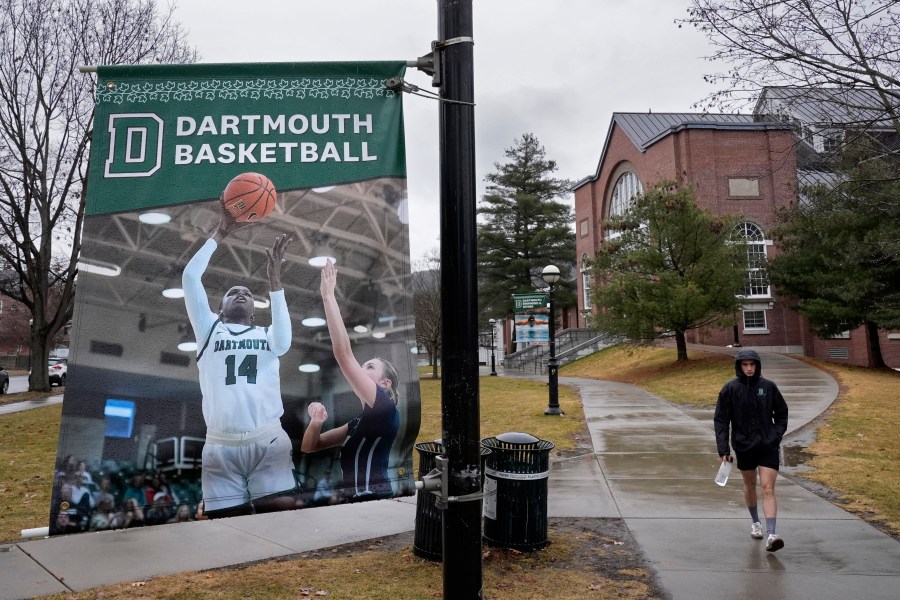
558 69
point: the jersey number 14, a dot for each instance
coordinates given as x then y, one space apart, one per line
247 369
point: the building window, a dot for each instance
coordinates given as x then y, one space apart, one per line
739 187
829 141
803 131
583 228
586 282
626 189
755 321
757 281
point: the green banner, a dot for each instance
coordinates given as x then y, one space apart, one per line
171 134
527 302
244 267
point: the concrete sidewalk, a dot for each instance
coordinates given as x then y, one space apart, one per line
653 466
659 462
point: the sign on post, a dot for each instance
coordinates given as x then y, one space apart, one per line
209 371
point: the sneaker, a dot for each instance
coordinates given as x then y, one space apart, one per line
756 531
774 543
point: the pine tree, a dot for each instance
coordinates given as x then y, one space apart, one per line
841 250
524 227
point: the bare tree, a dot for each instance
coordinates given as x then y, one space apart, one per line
46 116
807 44
427 306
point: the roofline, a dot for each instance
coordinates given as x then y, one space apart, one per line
688 124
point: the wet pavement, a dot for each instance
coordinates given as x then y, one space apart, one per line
652 465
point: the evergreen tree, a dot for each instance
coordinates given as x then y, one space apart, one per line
672 267
523 228
841 250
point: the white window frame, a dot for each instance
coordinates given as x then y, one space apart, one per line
755 328
756 282
627 187
586 283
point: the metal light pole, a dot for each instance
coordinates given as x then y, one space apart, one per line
493 323
459 319
550 274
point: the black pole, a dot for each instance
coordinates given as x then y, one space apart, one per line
493 347
459 312
552 367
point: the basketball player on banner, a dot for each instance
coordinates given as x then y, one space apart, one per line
247 464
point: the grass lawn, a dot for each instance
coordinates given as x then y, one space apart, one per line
696 382
856 449
27 458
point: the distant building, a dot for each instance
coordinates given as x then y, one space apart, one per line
14 333
747 165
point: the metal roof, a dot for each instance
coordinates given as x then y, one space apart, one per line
826 105
646 129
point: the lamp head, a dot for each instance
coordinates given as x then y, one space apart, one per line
550 274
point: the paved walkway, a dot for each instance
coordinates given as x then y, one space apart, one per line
653 466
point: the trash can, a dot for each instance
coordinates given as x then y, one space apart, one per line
429 523
429 531
515 491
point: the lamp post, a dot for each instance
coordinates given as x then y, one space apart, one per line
550 274
493 323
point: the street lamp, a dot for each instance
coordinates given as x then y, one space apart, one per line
550 274
493 323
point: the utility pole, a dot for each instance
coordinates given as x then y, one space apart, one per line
459 355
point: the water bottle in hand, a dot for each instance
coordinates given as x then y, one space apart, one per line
724 471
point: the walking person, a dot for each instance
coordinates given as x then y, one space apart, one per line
367 439
247 465
754 411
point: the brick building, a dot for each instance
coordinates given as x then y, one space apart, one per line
740 165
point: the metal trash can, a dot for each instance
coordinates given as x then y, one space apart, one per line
428 535
515 491
429 532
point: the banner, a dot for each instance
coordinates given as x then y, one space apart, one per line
532 319
243 334
534 327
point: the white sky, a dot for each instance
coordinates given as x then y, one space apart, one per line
558 69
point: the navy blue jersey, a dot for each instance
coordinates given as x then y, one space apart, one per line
365 454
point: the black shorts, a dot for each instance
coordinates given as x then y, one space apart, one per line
765 457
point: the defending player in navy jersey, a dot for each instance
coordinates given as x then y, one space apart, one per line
366 440
247 464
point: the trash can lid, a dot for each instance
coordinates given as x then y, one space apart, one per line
517 437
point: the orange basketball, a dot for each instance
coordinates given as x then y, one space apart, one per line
249 197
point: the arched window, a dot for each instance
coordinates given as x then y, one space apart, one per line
757 281
627 187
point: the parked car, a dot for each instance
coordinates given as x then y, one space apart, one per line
57 369
4 381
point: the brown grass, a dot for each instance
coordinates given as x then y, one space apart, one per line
563 571
696 382
856 448
27 458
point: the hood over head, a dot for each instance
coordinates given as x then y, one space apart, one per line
747 355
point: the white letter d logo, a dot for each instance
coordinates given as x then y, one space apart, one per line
135 145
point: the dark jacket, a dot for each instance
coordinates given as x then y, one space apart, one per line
752 408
